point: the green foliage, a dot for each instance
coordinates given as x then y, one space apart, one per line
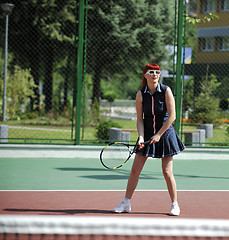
205 108
42 34
102 129
131 33
91 114
125 86
208 18
190 40
90 111
223 91
20 86
110 96
188 93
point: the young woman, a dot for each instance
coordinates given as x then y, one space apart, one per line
155 107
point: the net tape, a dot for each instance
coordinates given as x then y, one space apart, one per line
126 226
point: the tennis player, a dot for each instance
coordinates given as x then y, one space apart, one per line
155 107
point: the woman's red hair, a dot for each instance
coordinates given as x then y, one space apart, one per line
149 66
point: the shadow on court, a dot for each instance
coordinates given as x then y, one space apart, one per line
121 174
77 211
64 211
83 169
196 176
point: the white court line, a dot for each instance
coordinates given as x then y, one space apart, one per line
111 190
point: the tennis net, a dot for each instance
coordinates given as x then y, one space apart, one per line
33 227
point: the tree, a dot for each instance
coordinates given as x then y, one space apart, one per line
41 35
125 35
223 92
20 86
188 93
205 108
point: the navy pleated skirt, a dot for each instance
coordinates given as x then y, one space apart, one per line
170 144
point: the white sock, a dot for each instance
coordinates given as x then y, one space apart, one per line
174 203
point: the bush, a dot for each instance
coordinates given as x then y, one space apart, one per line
205 108
19 89
110 96
102 129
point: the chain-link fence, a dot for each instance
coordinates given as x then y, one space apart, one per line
40 76
206 89
120 38
123 37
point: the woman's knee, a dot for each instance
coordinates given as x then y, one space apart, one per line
168 173
167 167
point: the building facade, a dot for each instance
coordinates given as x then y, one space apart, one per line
213 36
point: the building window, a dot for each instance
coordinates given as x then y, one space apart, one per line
224 5
208 6
206 44
223 44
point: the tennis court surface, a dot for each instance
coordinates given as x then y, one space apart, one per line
70 181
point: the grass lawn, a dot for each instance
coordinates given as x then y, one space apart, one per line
31 133
19 132
219 133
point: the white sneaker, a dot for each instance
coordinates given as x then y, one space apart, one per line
175 211
123 206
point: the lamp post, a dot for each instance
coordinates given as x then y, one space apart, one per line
6 7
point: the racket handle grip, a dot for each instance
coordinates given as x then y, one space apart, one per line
147 142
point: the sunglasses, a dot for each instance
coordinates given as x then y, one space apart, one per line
153 72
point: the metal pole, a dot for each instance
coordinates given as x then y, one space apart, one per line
79 72
178 70
183 69
84 70
6 7
5 71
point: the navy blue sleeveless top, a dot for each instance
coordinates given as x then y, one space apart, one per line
154 109
154 115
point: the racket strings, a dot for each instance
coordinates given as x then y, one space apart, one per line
115 155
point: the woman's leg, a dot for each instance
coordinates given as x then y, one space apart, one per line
138 164
167 168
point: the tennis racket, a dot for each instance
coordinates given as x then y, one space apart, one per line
116 154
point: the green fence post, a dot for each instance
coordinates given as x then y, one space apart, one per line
178 70
79 71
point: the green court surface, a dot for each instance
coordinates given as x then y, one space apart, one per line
193 171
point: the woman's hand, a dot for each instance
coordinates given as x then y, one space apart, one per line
140 142
155 138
